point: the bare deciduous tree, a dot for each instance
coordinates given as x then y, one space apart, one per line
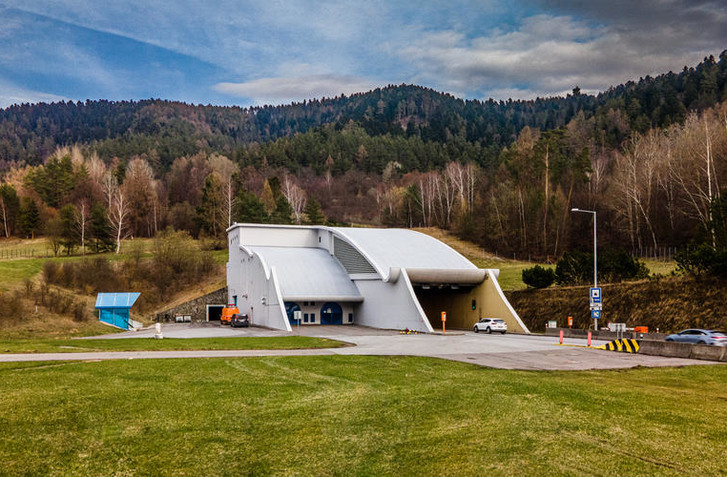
226 170
296 197
81 216
118 210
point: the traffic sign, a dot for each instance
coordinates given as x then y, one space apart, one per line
596 306
595 294
596 314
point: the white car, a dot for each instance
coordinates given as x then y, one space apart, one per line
488 325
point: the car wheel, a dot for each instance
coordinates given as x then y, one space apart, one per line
670 340
701 342
477 330
488 330
504 332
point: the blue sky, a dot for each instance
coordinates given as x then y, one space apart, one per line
274 51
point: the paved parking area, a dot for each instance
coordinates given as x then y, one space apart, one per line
510 351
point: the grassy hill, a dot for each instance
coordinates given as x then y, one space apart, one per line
31 306
670 304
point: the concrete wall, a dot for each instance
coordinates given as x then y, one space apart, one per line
684 350
253 286
390 305
196 308
277 236
496 305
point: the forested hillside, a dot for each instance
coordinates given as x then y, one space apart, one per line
650 156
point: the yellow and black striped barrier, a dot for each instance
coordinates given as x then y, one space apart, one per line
625 345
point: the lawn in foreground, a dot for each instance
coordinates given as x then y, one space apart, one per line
166 344
357 415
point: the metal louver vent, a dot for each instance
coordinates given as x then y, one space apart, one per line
350 258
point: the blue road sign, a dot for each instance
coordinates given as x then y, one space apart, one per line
595 294
596 314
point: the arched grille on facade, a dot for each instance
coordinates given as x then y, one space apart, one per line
350 258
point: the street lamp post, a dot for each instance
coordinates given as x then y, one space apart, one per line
595 253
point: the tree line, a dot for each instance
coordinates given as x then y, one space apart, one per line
77 200
166 130
660 188
649 156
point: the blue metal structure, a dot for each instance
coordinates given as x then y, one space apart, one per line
331 314
113 308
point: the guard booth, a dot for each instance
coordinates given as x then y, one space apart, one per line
114 309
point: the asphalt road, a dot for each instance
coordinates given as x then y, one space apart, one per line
510 351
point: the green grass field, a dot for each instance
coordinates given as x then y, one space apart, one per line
166 344
357 415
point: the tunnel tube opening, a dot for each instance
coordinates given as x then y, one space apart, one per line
458 301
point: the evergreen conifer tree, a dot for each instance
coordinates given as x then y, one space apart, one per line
100 231
283 213
29 217
250 209
314 213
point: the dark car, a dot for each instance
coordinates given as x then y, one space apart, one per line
697 336
240 320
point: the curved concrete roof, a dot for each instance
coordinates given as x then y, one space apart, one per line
309 273
402 248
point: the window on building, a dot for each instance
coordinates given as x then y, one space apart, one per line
305 318
312 317
350 317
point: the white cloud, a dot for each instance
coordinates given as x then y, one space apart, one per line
523 94
11 94
282 90
284 50
546 55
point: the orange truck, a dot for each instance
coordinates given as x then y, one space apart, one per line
227 313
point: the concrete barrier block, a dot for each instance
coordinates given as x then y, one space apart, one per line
709 353
666 348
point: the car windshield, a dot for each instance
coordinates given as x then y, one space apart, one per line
499 321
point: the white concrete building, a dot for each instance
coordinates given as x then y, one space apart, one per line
383 278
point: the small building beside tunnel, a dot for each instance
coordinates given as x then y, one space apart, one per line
381 278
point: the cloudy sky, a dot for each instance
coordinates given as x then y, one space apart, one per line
252 52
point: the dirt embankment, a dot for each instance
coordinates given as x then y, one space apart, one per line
668 304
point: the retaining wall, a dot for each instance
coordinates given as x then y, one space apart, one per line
196 308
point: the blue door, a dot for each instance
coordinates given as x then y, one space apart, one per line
331 314
291 308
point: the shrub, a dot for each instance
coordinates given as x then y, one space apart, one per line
695 261
702 260
12 307
574 268
616 264
50 271
538 277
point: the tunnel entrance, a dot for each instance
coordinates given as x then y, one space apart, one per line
458 301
